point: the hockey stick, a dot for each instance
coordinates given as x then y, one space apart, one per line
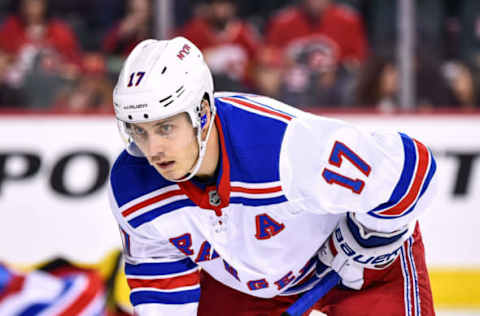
309 298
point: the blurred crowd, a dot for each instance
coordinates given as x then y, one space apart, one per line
65 55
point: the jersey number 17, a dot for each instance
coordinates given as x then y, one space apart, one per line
341 150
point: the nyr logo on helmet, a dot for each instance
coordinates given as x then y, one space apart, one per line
184 51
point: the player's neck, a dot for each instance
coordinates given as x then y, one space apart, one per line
212 155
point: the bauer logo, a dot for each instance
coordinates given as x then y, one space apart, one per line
135 106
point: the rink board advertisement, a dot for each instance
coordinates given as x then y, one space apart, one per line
54 172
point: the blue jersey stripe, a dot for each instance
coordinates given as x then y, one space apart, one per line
431 172
426 183
151 215
257 202
159 268
5 277
372 241
34 309
156 297
406 176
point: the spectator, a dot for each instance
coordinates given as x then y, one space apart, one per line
228 43
461 81
314 76
269 70
44 50
10 97
325 44
378 84
136 26
341 26
90 92
45 75
33 26
469 37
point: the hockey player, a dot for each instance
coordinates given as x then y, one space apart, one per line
233 204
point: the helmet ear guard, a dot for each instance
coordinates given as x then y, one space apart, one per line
203 121
203 111
178 68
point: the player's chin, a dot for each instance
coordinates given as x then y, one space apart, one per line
172 175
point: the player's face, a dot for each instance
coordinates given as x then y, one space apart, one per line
169 145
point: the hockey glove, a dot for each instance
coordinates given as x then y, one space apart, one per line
352 247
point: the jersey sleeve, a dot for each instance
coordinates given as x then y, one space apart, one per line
162 280
329 166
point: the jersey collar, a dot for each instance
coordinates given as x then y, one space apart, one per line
213 197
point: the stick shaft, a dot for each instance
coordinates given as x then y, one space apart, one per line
308 299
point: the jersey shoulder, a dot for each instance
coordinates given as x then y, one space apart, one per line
253 128
132 177
334 167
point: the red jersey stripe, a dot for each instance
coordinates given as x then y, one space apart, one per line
166 284
256 190
332 246
94 287
411 196
257 107
13 287
151 201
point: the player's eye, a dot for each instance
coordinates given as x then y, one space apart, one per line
165 129
138 131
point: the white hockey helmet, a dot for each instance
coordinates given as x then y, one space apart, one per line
160 79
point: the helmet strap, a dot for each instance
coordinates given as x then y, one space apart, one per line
202 148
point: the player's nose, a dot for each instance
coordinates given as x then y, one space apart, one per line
155 147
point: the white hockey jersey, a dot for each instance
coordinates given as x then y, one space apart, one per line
285 179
